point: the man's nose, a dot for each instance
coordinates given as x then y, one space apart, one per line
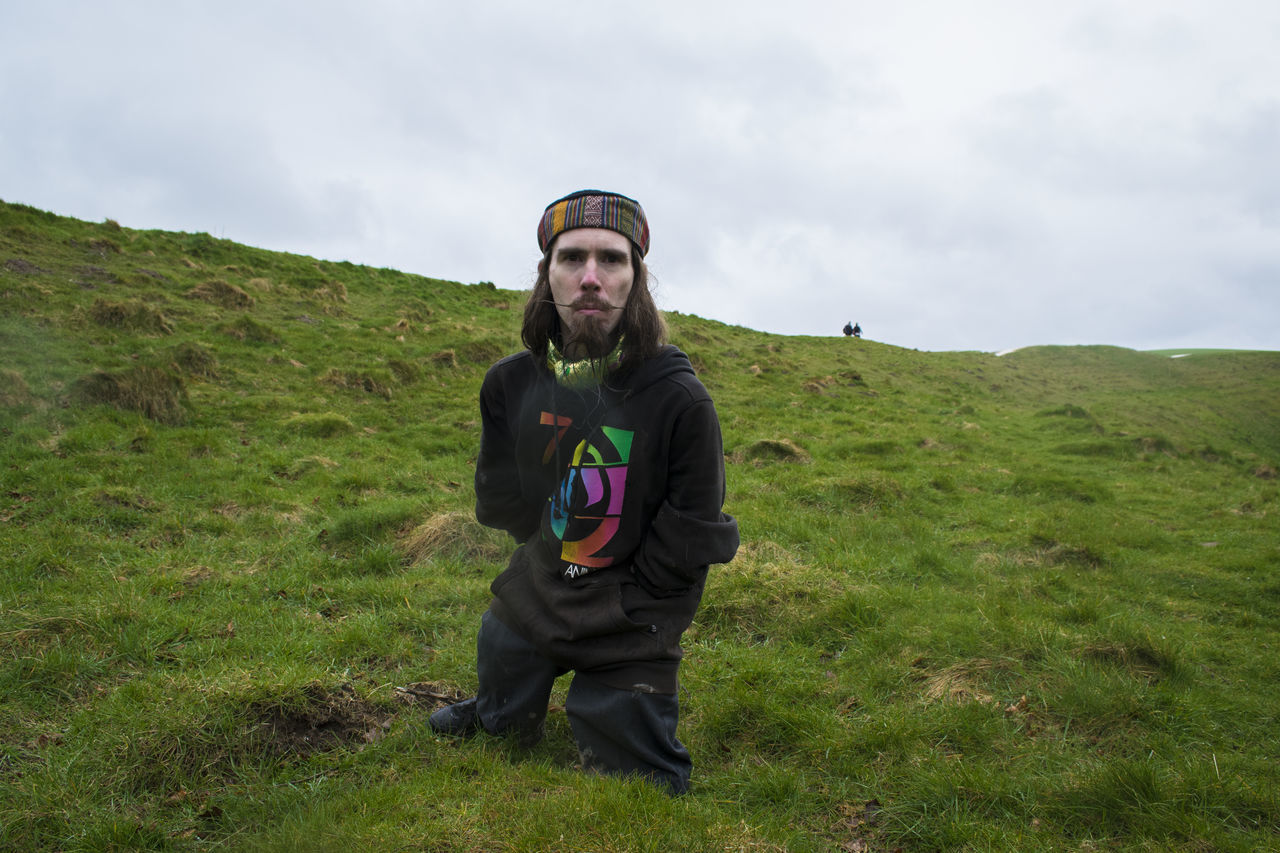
590 275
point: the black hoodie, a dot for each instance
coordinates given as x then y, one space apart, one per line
615 494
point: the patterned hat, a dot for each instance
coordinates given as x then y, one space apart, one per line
595 209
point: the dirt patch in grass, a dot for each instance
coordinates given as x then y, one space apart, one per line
92 275
454 535
152 274
317 720
295 724
1053 553
355 380
22 266
857 827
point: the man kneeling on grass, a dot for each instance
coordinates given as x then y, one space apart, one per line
600 453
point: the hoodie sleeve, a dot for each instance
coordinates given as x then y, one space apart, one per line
499 501
690 530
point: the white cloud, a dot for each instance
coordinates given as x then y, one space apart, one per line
982 175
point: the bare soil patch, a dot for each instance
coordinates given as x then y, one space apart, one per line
318 721
22 266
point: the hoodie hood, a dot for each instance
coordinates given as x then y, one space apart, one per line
667 362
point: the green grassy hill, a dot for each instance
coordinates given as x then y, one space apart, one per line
1026 602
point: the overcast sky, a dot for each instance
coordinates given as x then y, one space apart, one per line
982 174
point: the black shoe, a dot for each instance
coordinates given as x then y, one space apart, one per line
459 719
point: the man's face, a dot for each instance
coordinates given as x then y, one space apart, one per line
590 275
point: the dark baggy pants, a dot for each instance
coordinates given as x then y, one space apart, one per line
619 732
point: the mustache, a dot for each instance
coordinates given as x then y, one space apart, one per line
587 303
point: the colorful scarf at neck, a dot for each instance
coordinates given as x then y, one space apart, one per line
584 373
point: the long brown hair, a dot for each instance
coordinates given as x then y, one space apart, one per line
643 329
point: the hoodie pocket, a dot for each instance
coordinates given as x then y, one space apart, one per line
552 609
591 610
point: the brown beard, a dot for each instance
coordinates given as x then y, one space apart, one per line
588 339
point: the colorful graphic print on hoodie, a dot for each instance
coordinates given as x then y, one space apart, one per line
586 509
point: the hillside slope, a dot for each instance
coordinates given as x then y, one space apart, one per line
1020 602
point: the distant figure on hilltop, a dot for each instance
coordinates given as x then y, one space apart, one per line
600 453
852 329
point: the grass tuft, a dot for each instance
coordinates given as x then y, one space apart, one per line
320 424
961 683
454 536
369 382
221 293
14 390
251 331
154 393
129 315
772 450
445 358
194 359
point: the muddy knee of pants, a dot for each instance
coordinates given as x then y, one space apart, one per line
515 681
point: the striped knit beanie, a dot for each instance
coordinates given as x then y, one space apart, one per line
595 209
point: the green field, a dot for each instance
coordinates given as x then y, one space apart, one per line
1020 603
